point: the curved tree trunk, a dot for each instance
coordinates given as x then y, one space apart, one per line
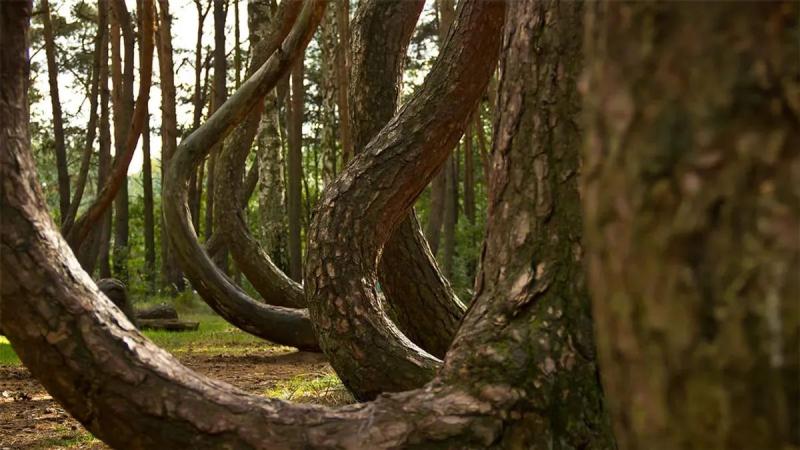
520 385
361 209
691 179
83 225
288 326
421 300
270 282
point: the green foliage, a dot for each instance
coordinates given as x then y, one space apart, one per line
7 355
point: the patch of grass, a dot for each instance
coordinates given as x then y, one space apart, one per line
320 388
68 439
7 355
215 336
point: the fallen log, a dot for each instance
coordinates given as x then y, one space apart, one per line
168 325
158 312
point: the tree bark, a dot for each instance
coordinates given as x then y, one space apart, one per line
171 276
328 41
270 282
58 120
421 301
690 158
450 214
365 348
149 218
118 175
519 385
343 78
288 326
295 172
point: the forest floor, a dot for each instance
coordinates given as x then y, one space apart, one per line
31 419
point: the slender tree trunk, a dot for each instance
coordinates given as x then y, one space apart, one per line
118 175
237 55
103 229
295 173
220 95
469 177
149 219
100 52
328 68
439 189
342 77
272 184
171 277
483 149
55 103
450 213
691 195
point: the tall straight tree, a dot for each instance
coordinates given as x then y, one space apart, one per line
58 120
295 172
343 76
171 277
469 176
438 189
149 219
691 199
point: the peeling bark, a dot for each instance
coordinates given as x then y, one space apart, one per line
691 201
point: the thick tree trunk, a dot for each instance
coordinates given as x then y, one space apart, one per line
358 213
270 282
294 178
287 326
520 385
691 199
58 120
420 299
171 276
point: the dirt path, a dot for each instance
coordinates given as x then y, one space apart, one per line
31 419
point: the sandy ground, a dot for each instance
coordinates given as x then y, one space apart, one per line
31 419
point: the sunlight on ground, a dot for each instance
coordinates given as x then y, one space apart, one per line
321 389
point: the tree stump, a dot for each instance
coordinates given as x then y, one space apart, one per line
115 290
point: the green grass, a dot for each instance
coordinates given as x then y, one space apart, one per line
215 336
322 389
7 355
68 439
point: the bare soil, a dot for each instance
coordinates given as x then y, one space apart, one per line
31 419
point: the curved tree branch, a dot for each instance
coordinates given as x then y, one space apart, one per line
287 326
274 286
84 224
419 298
361 209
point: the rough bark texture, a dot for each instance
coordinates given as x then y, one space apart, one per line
420 300
171 275
270 282
359 211
294 172
288 326
55 103
343 77
513 379
118 175
271 183
691 199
